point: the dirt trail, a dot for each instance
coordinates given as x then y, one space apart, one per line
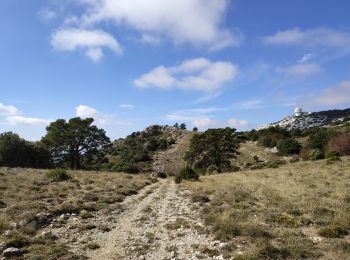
158 223
171 160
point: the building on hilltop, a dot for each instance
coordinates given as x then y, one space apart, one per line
298 111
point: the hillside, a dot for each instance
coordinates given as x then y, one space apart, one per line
171 161
249 149
297 211
137 151
312 119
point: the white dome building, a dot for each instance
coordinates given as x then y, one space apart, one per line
298 111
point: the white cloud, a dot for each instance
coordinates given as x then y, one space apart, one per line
235 123
127 106
198 22
204 122
196 74
21 120
306 57
151 39
101 120
46 14
91 41
336 95
7 110
85 111
314 37
300 70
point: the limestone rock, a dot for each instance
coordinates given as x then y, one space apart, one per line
12 251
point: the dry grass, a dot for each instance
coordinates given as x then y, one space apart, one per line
27 192
298 211
249 149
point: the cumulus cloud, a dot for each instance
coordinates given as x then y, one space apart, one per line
85 111
204 122
336 95
195 74
300 70
21 120
8 110
198 22
314 37
235 123
100 119
90 41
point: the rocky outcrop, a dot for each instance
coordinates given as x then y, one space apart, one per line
309 120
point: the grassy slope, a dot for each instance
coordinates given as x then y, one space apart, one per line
247 151
298 211
27 192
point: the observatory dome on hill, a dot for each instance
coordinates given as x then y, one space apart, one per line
298 111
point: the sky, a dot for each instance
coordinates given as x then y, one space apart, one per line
133 63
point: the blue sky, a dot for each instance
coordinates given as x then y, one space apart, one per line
132 63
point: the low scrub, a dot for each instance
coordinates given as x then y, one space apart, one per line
186 174
58 175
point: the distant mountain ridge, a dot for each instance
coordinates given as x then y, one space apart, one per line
312 119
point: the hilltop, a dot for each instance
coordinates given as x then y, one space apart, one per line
312 119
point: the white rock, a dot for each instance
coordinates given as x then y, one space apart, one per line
8 233
221 245
13 225
12 251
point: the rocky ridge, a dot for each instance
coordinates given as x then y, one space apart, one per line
310 120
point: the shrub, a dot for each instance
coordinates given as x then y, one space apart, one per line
315 155
58 175
212 169
161 175
332 154
332 232
289 146
126 167
186 174
319 139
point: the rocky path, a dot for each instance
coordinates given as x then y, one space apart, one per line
158 223
171 160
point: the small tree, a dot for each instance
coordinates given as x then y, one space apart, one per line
213 147
289 146
183 126
17 152
176 125
195 129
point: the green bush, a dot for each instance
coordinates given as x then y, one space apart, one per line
315 155
126 167
289 146
58 175
332 154
186 174
161 175
212 169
